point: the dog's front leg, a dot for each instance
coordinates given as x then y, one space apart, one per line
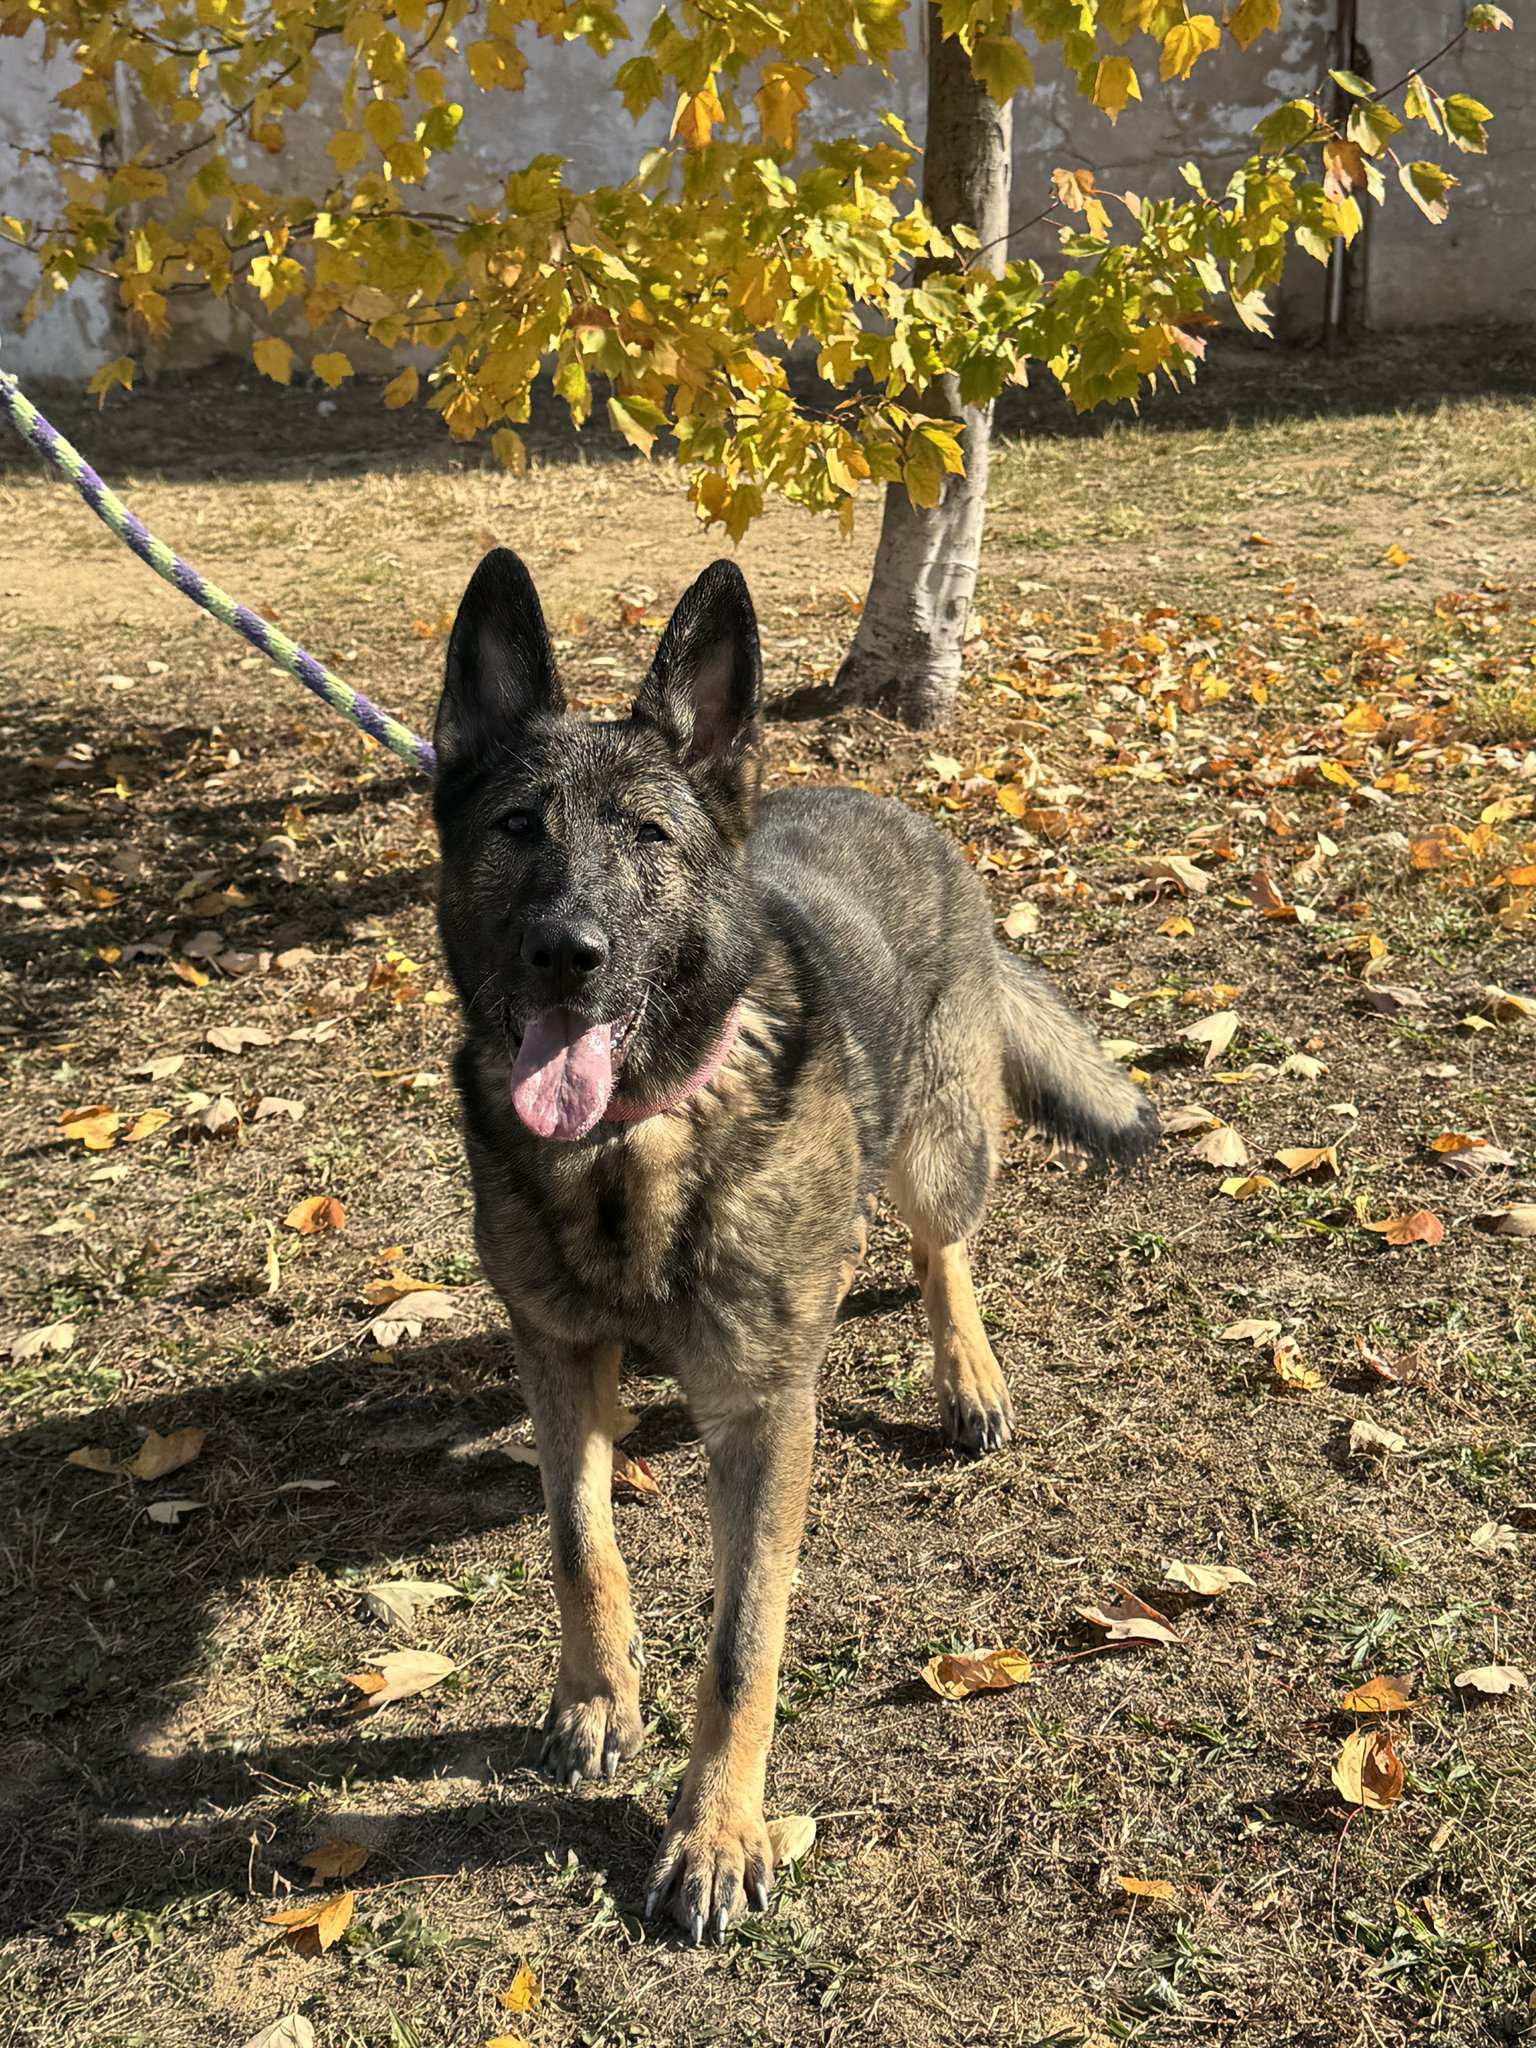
594 1718
715 1860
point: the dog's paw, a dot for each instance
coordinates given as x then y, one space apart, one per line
974 1407
589 1735
711 1869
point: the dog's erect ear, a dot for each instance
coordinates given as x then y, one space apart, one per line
704 684
500 668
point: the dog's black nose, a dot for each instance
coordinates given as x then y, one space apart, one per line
571 948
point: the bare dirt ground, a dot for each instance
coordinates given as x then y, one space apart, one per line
1286 633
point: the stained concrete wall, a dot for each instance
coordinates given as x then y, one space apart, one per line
1481 265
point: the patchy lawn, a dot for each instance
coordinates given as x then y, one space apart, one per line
1296 649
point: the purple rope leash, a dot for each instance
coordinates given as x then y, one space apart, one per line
277 647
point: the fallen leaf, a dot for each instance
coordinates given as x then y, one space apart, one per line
1189 1116
55 1337
1180 870
158 1454
1322 1160
1132 1621
1495 1539
172 1512
1250 1330
1368 1439
791 1837
384 1293
1302 1063
1368 1771
1380 1695
1176 928
1518 1220
1215 1033
94 1128
216 1116
1377 1363
1421 1226
400 1675
1146 1887
291 2031
335 1857
160 1068
93 1458
1021 920
1208 1580
277 1105
399 1603
405 1316
1491 1679
957 1677
633 1478
1290 1370
1242 1187
145 1126
1221 1147
326 1919
236 1037
523 1994
1505 1008
314 1214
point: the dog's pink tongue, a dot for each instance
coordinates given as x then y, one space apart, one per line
563 1076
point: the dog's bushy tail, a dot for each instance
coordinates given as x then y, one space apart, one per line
1059 1078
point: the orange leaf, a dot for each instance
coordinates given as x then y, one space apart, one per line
1320 1159
1379 1696
326 1919
317 1213
1368 1771
1146 1887
94 1128
633 1479
1422 1226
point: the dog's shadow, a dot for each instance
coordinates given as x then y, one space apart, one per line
114 1619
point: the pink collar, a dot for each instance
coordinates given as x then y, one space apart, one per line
638 1113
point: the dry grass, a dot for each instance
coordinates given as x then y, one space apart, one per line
174 1739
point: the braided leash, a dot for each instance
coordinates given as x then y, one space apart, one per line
276 646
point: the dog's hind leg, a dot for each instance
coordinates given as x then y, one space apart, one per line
939 1181
594 1719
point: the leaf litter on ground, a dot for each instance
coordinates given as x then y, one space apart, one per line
399 1675
957 1677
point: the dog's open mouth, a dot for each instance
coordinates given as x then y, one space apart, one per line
566 1069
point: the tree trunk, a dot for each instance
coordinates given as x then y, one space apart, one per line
907 651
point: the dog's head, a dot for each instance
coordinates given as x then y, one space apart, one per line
593 907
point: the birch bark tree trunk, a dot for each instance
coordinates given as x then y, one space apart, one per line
906 653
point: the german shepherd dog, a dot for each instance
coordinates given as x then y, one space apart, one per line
700 1031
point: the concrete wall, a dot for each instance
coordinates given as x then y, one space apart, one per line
1480 266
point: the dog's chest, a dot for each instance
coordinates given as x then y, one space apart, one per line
632 1221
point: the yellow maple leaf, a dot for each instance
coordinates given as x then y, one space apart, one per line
1115 84
1186 43
697 113
331 368
273 357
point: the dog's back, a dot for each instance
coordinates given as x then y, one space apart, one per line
891 926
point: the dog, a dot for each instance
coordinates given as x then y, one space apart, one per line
702 1027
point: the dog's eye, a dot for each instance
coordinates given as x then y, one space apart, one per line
521 825
652 834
